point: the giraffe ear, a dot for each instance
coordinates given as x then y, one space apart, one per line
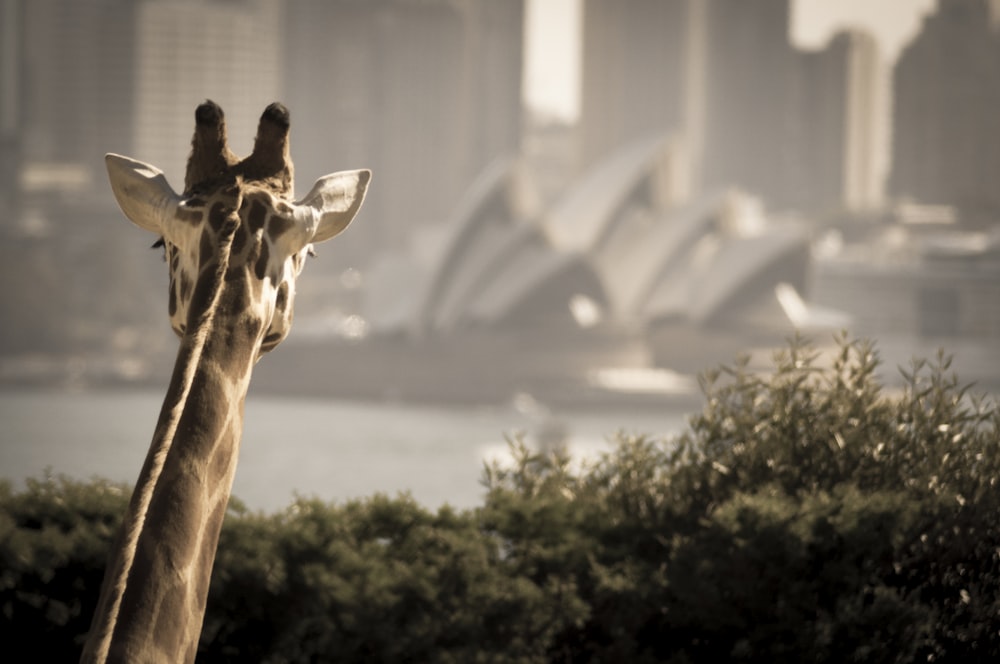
336 199
142 192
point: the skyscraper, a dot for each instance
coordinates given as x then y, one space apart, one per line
69 86
749 71
187 51
718 74
11 62
946 111
840 141
424 92
639 64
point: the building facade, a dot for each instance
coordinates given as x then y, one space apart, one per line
747 109
426 93
749 69
946 117
840 131
187 51
67 89
638 72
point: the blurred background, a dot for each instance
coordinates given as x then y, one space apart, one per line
577 206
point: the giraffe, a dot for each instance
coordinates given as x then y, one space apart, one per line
235 243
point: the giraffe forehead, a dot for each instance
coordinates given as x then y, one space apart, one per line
265 239
258 211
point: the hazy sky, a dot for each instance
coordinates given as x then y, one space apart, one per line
552 69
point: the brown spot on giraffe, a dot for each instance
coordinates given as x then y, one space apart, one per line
281 298
186 287
172 301
256 216
278 225
217 216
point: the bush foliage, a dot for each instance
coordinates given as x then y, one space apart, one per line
806 514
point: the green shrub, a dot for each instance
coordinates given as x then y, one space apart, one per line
374 580
54 537
806 514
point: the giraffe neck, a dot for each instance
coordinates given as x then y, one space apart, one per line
154 594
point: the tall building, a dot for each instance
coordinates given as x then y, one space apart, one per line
840 131
71 86
187 51
866 144
11 98
749 67
719 74
639 66
424 92
946 110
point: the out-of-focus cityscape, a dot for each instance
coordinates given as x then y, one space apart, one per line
720 190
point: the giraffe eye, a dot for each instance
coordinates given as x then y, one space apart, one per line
160 244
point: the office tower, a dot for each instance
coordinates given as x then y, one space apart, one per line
946 110
719 75
426 93
71 86
187 51
11 80
866 122
840 140
639 66
749 72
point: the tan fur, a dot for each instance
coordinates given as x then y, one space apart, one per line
236 244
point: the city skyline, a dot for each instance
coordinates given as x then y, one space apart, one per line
553 41
701 71
711 149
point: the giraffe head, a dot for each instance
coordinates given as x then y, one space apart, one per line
235 241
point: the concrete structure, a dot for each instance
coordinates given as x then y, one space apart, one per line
917 289
931 283
187 51
494 268
11 99
638 73
67 90
749 69
620 214
841 139
122 76
427 92
613 258
698 280
743 107
946 121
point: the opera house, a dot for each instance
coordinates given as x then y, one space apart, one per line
614 276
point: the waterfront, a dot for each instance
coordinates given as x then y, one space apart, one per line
327 448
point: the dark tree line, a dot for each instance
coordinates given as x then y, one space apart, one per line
805 515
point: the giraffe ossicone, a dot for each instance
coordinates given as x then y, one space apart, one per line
235 243
275 232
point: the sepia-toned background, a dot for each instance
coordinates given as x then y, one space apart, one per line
577 206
